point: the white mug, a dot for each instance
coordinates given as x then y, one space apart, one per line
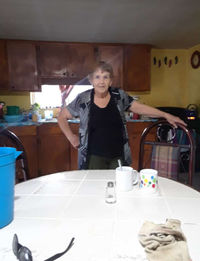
148 180
126 177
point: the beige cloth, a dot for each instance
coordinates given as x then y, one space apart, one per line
164 242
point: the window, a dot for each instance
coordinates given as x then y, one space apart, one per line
49 96
56 96
75 91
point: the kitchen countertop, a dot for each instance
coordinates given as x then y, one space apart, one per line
30 122
54 120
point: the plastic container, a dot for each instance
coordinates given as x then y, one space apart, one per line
12 110
13 118
48 114
8 157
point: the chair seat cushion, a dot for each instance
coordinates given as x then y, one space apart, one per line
165 159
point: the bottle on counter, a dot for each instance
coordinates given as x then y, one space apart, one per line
110 196
36 116
48 114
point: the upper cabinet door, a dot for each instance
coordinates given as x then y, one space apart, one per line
52 60
62 62
82 60
137 60
22 66
114 55
3 66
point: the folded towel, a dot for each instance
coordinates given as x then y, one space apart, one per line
164 242
165 159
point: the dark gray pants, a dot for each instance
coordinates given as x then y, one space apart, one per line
97 162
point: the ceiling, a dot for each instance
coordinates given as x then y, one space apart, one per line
164 24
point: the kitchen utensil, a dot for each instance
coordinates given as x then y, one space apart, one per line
192 111
149 180
126 177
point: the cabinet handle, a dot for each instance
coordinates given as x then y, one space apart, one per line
96 52
66 74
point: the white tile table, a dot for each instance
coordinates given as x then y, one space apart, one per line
50 210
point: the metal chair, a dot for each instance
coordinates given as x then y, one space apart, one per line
162 133
9 139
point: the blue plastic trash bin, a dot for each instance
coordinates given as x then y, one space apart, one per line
8 157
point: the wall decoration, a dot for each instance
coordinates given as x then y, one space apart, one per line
166 61
195 59
176 59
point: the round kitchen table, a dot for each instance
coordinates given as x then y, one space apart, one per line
52 209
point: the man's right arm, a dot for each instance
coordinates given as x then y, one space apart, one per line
63 117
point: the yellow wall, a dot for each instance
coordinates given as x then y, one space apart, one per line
178 85
21 99
168 84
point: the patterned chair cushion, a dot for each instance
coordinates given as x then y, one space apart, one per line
165 159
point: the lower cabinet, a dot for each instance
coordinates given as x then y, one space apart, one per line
53 149
28 137
135 130
49 151
73 151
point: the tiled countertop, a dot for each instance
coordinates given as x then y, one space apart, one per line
30 122
54 120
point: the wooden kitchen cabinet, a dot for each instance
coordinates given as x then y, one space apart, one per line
3 66
135 130
137 66
64 63
82 60
28 136
49 151
52 59
74 152
22 66
53 149
112 54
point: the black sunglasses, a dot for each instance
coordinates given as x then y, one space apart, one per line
24 254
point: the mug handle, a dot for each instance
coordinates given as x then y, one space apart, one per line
137 179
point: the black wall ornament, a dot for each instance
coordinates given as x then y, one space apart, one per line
195 59
176 59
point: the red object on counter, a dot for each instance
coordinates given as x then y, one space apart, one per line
135 116
1 109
